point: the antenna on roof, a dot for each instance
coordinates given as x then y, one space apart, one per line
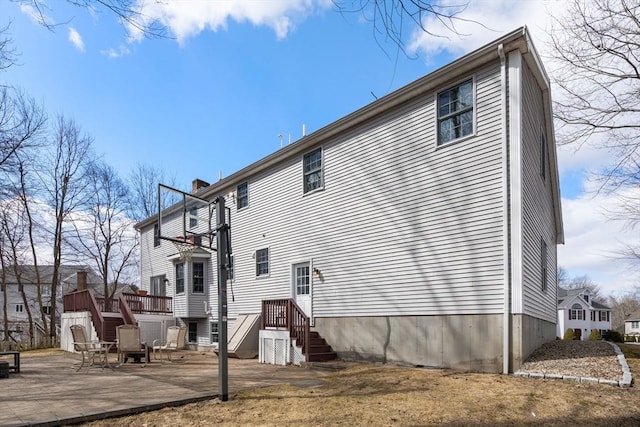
304 130
219 174
281 139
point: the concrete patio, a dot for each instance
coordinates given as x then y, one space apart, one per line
48 391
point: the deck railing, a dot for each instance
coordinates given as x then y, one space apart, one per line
286 314
138 304
85 301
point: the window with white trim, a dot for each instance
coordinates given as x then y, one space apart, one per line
455 112
313 176
179 278
215 334
46 290
192 334
193 218
197 277
262 262
635 324
242 195
576 312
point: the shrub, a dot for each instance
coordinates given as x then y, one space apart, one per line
595 335
614 336
569 335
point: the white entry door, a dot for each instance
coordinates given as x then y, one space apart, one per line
302 286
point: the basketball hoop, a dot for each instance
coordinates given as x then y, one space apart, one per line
185 247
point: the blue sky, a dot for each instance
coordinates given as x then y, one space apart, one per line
214 98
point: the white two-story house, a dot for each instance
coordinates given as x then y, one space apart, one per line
419 229
578 311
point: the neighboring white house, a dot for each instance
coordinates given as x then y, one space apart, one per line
420 229
578 311
21 296
632 325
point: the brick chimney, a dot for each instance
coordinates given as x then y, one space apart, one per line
197 184
81 280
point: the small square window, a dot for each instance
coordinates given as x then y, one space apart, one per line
242 195
19 308
455 112
46 309
262 262
313 176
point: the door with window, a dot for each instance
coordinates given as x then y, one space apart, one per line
302 286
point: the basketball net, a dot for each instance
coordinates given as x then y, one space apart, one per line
185 248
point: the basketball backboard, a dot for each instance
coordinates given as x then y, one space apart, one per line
186 218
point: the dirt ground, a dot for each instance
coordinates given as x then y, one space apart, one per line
383 395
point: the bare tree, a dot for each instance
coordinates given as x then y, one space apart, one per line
21 123
623 306
12 227
65 180
597 54
105 235
579 282
143 184
392 19
8 53
129 12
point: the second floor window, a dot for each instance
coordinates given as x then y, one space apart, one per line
313 178
19 308
198 277
576 312
46 289
242 195
455 112
179 278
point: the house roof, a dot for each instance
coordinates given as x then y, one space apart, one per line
567 296
635 316
65 272
516 40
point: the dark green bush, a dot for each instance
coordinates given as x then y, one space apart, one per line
614 336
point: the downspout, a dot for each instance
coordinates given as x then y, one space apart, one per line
506 321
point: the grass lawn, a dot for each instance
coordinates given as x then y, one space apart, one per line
375 395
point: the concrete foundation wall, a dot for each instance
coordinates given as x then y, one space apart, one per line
462 342
528 333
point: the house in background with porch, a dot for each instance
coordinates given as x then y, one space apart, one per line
420 229
577 310
25 277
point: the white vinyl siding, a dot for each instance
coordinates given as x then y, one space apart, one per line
401 228
538 213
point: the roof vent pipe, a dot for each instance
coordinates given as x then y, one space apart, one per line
304 130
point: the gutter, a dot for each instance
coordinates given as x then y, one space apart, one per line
426 84
506 330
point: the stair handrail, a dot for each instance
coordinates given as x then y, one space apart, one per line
126 312
285 313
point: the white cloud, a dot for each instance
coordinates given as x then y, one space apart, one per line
76 39
120 51
37 16
593 242
188 18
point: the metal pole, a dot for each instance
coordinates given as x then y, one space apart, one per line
222 235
